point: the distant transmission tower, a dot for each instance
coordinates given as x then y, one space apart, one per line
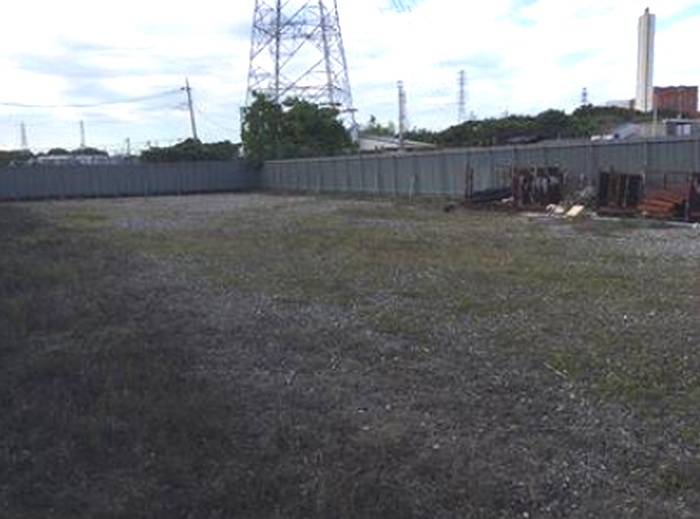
462 116
584 97
297 51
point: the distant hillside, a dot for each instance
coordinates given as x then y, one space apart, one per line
584 122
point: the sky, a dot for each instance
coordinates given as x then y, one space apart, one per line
121 69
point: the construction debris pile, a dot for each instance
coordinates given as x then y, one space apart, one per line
664 203
537 189
652 194
667 195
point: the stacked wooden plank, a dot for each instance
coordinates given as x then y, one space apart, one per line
694 198
664 203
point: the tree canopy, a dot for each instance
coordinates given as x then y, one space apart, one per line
14 157
54 152
583 122
293 129
191 150
374 127
90 151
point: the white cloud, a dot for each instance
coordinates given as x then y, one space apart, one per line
521 59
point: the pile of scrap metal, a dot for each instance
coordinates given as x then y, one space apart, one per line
619 193
490 196
537 188
692 212
522 188
496 195
676 198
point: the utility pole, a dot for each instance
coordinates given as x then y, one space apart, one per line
402 115
188 90
82 135
23 137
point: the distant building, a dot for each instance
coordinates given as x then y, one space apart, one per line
668 128
74 159
681 127
644 101
376 143
681 100
651 129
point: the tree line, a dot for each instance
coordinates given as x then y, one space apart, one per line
584 122
186 151
297 128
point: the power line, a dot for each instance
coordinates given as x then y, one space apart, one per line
433 82
93 105
208 119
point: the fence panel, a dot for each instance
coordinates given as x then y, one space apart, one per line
371 166
444 173
456 165
481 163
628 157
427 179
439 173
79 181
676 155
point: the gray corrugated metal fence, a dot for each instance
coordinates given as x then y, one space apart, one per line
33 182
444 173
439 173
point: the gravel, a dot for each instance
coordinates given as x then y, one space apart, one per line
391 360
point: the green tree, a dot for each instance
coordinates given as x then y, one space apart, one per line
90 151
553 124
58 151
14 157
309 130
192 150
421 135
261 131
585 121
295 128
374 127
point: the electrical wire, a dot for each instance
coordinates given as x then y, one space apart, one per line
442 80
209 119
94 105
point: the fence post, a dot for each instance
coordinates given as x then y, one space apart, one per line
595 163
396 176
647 155
358 163
348 175
377 166
445 185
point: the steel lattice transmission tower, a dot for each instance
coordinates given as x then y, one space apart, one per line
297 50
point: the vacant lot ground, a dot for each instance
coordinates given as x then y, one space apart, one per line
258 356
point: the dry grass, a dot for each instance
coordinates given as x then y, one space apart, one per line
262 356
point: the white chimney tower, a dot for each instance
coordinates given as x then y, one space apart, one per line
644 101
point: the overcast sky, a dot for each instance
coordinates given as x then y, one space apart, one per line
520 56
